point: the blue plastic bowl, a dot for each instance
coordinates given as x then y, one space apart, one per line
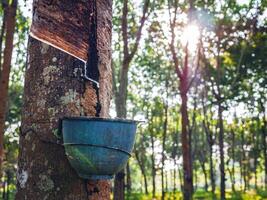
98 148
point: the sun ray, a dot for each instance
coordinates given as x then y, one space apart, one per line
190 36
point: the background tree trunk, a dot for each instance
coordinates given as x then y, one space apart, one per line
203 167
166 181
210 141
2 33
54 89
182 71
221 149
185 138
165 126
143 170
243 154
153 165
174 181
233 159
128 178
120 102
10 13
212 179
255 142
264 143
181 179
121 91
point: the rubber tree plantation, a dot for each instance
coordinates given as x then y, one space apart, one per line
194 72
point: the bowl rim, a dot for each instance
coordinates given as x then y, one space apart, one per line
87 118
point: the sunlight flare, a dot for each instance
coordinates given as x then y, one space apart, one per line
190 36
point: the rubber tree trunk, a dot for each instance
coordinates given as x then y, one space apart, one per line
166 182
120 101
141 162
2 32
146 185
255 142
54 89
212 179
128 178
165 126
204 170
243 154
174 181
10 13
264 142
221 149
233 159
181 179
196 180
241 172
153 171
210 141
186 150
153 162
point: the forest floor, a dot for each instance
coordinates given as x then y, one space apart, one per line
203 195
199 195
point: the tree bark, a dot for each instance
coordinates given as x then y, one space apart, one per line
153 163
181 179
146 184
185 84
210 141
121 91
165 126
143 170
166 181
128 178
221 150
63 19
241 172
203 167
186 150
244 160
120 101
174 181
10 13
255 141
141 158
54 89
153 166
233 159
264 142
212 180
3 30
